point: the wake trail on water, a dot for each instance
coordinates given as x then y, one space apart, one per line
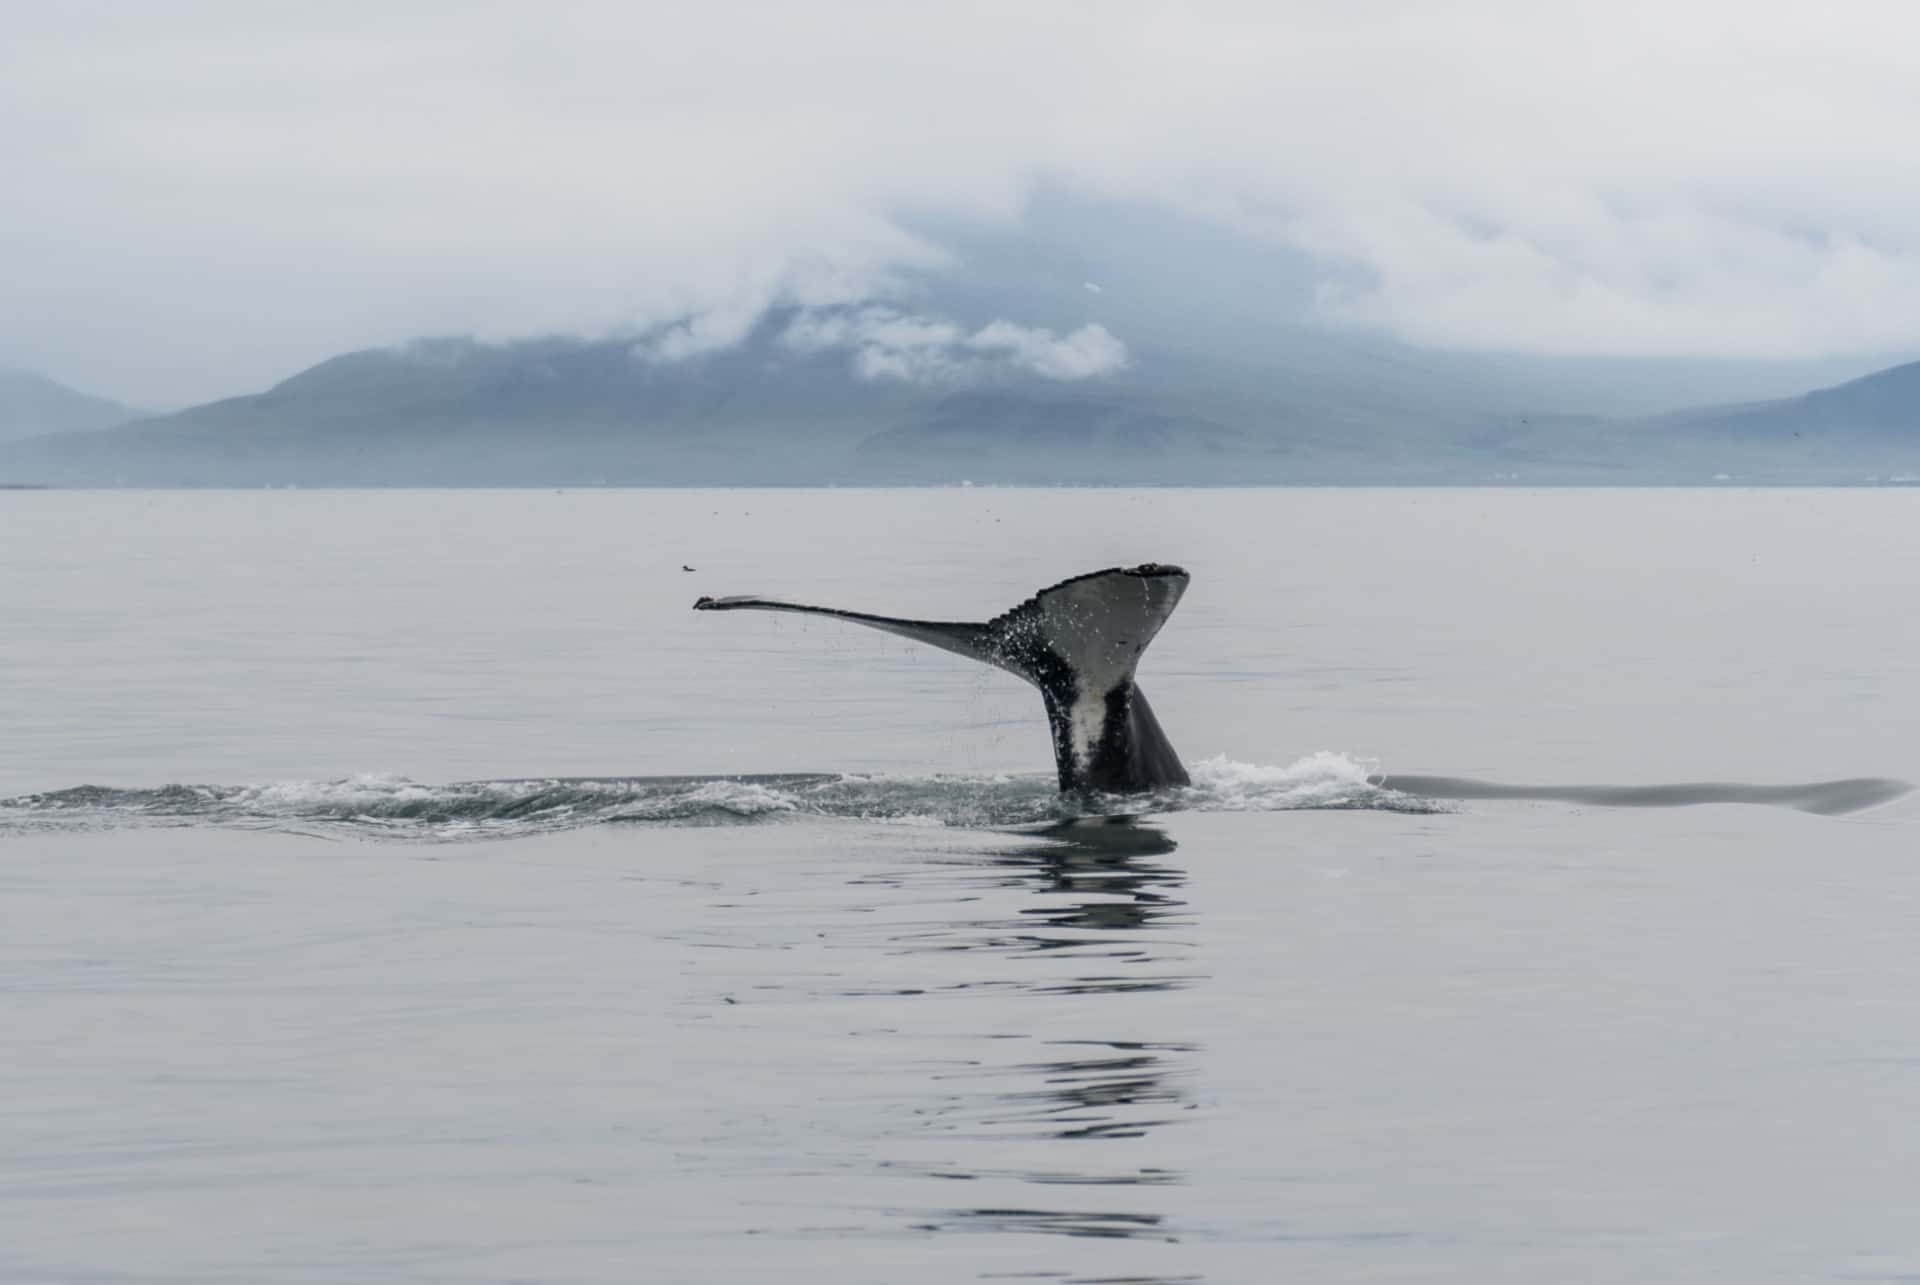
1822 798
395 807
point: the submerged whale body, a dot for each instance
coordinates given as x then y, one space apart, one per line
1079 642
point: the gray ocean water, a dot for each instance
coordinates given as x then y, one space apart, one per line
407 886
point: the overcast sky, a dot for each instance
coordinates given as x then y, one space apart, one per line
203 196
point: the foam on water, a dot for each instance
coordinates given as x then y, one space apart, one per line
1323 780
394 806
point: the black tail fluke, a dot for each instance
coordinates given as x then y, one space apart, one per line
1079 642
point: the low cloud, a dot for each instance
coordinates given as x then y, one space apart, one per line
888 344
712 331
204 195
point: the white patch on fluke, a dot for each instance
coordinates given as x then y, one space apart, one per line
1087 622
1085 721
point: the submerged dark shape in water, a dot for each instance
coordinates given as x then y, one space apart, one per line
1079 642
1823 798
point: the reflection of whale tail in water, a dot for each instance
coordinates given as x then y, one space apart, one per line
1079 643
1112 837
1827 798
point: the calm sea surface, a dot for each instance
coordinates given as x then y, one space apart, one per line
408 887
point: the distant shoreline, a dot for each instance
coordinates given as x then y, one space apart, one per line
1730 484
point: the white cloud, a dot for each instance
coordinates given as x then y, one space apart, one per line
204 195
1087 352
706 332
888 344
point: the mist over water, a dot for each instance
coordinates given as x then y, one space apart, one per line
1542 907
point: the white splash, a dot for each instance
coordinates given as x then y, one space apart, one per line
343 795
1320 780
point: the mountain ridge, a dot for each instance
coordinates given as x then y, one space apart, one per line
767 409
31 405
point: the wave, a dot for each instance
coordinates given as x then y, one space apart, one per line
1822 798
396 807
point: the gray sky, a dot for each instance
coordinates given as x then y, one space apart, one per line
206 195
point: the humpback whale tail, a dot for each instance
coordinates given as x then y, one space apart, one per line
1078 642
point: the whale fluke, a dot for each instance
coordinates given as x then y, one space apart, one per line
1078 642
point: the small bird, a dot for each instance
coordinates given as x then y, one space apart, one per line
685 567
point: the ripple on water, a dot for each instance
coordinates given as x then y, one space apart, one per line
393 807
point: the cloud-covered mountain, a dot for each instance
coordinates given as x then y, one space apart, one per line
874 392
32 404
879 393
788 400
